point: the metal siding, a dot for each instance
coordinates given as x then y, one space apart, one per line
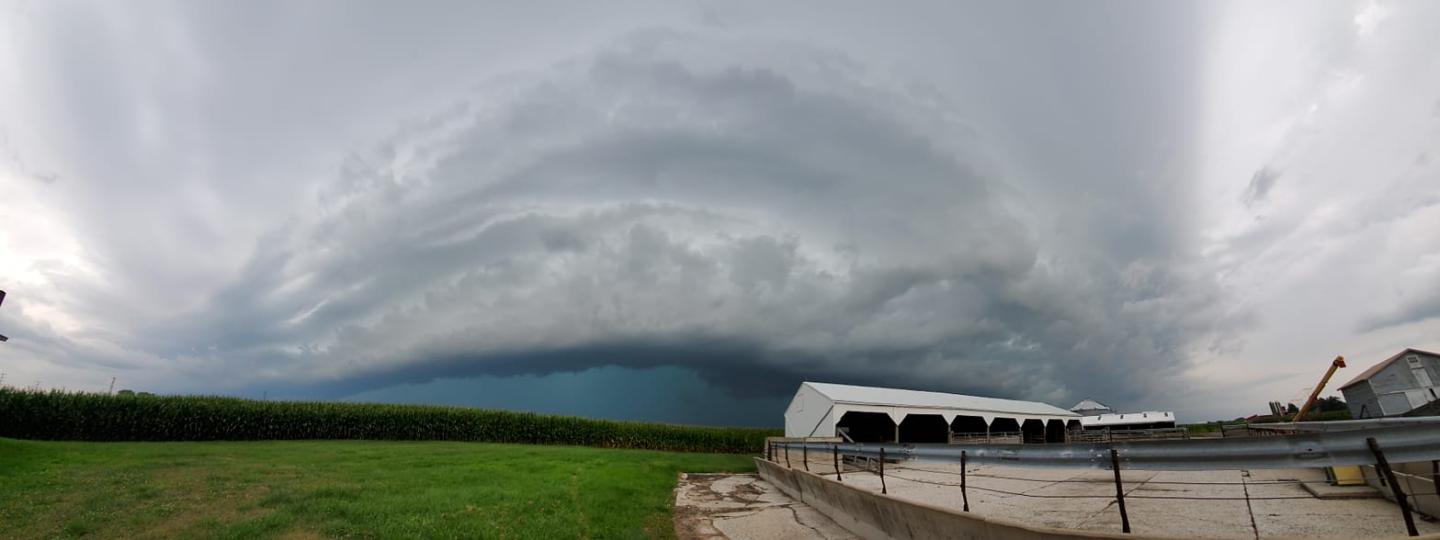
807 408
1384 385
825 427
817 407
1125 419
1360 397
1432 366
1393 404
943 403
1395 377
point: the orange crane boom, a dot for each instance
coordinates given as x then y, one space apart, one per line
1337 364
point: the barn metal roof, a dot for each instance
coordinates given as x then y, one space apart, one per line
1121 419
1088 404
1382 365
895 397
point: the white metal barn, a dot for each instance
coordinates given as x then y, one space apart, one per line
1134 420
869 414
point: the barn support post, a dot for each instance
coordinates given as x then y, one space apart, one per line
1435 476
1384 468
1119 491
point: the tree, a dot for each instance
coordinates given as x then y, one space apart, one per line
1291 409
1331 403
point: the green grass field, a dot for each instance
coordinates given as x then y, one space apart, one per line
365 489
80 416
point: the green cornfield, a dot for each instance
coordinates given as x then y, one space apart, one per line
75 416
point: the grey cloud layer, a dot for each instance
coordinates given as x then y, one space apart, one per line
1157 204
754 219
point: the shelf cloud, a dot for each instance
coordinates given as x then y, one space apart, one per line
1044 204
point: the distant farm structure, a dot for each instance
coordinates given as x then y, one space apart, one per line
1401 385
871 414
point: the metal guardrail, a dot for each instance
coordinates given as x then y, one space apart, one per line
1348 425
1402 442
1110 435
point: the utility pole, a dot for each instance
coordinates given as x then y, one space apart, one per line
111 391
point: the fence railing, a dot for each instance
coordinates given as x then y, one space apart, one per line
1405 443
981 437
1100 435
1108 435
1368 446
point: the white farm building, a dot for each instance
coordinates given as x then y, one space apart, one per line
1098 416
1134 420
870 414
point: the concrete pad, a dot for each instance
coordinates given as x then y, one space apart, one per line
765 524
1181 518
744 507
1327 491
1351 518
1305 475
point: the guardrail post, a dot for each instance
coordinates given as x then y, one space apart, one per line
1119 491
805 456
787 456
884 491
769 451
835 449
963 496
1435 476
1384 466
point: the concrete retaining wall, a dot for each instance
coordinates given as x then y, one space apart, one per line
876 517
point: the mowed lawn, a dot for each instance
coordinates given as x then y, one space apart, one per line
364 489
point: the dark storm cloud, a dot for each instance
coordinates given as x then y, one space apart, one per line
1006 214
752 220
1007 198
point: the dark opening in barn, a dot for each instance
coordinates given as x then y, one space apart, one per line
867 426
924 428
969 426
1033 431
1004 426
1055 431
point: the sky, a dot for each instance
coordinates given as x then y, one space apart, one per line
678 211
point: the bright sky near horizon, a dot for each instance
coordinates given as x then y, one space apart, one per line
1188 206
